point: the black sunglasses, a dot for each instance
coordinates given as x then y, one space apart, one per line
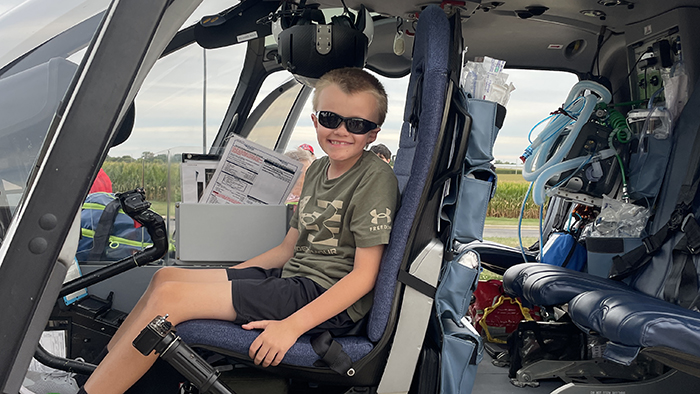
332 120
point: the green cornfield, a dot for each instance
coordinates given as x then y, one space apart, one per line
507 201
151 173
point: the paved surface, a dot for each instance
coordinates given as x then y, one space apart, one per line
509 231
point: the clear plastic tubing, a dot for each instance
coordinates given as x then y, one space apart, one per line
581 108
538 194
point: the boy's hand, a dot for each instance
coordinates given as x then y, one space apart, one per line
273 343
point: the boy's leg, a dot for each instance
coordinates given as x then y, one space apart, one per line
168 274
182 301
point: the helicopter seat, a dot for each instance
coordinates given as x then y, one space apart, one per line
413 244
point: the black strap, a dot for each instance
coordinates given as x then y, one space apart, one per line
632 261
571 253
103 230
416 283
692 234
332 354
681 284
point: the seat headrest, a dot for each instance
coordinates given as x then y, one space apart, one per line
308 47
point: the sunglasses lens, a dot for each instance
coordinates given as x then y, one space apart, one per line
332 120
356 126
329 119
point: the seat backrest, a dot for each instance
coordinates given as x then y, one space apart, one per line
416 157
651 279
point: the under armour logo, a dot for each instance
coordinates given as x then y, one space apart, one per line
376 216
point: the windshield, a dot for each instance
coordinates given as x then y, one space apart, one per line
37 63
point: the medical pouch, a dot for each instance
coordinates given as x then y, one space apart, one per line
648 166
487 120
495 314
602 250
107 233
462 347
469 205
466 198
563 250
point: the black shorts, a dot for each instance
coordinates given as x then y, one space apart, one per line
260 294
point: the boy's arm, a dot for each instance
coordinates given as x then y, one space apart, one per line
277 256
270 347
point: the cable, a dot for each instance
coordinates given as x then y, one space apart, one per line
529 135
653 97
541 235
520 223
631 70
596 58
616 120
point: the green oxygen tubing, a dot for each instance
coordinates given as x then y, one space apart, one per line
544 158
618 123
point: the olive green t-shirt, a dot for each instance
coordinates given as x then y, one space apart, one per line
336 216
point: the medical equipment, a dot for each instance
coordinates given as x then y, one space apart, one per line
549 155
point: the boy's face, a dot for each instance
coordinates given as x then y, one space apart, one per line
341 146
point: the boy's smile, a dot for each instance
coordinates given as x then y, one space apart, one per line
342 147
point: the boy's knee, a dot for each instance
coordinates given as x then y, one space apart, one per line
164 294
165 274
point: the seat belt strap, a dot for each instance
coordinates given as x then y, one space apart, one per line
630 262
691 229
417 284
104 228
681 284
332 354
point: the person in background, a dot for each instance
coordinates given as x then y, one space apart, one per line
102 183
382 151
308 148
306 158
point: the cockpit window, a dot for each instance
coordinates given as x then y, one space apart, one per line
35 73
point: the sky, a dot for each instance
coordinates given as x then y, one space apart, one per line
5 5
169 107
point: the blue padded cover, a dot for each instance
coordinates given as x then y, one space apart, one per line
229 336
430 62
429 70
633 319
544 284
415 154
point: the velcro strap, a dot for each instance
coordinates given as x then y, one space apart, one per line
332 354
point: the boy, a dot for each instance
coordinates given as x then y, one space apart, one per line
322 274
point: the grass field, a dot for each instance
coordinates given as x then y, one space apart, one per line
491 221
511 178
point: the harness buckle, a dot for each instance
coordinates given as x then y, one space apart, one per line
686 219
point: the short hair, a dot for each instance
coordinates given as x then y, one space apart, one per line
300 155
381 149
353 80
